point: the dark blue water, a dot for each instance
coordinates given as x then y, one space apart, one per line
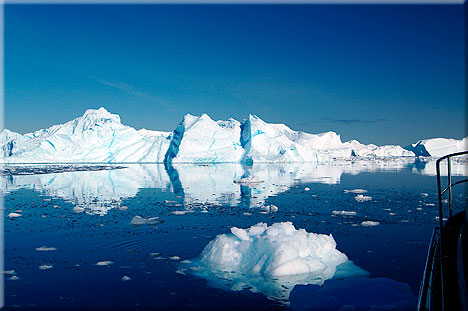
86 217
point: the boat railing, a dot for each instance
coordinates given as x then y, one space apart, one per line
436 250
447 190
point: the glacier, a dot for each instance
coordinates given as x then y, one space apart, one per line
99 137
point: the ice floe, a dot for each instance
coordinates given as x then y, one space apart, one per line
362 198
45 249
138 220
104 263
370 223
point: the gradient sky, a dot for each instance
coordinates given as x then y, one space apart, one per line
384 74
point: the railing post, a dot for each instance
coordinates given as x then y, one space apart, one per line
449 176
441 224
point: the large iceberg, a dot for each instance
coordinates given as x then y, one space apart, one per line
99 136
276 250
438 147
271 260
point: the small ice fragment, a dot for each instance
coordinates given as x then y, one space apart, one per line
186 261
78 209
138 220
429 204
181 271
356 191
344 213
104 263
306 189
419 208
45 267
14 215
247 214
362 198
123 208
155 254
273 208
181 212
369 223
168 202
126 278
248 180
174 258
13 278
45 249
424 194
19 211
9 272
392 214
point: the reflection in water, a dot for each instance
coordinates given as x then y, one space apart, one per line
277 288
99 191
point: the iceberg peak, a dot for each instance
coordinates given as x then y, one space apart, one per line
100 113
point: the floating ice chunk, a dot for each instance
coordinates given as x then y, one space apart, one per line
272 261
424 194
13 278
174 258
45 267
9 272
248 180
306 189
247 214
277 250
362 198
126 278
14 215
45 249
429 204
138 220
78 209
369 223
273 208
344 213
104 263
181 212
155 254
356 191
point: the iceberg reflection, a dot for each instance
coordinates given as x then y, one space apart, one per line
99 191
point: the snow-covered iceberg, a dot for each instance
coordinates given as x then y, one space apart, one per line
438 147
271 260
276 250
99 136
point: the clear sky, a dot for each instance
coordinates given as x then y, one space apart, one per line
384 74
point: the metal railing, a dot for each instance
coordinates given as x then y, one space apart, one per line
441 192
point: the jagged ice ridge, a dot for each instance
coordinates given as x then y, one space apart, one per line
99 136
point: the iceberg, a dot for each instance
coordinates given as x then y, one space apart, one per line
438 147
276 250
271 260
99 137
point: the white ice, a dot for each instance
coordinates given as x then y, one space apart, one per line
271 260
99 136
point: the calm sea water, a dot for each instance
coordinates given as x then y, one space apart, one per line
84 217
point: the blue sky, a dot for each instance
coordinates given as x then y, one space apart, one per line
384 74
